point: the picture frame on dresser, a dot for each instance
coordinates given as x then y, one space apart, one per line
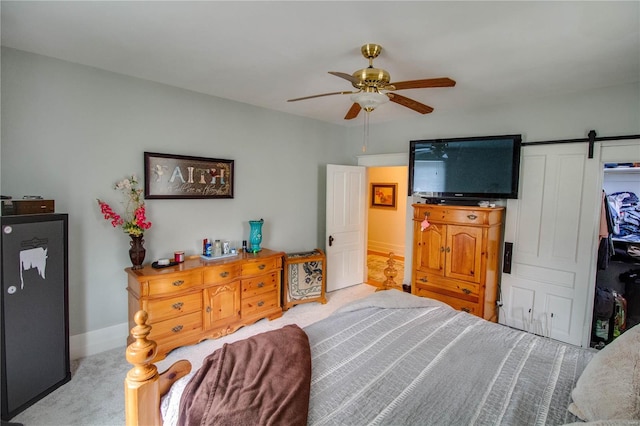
170 176
384 195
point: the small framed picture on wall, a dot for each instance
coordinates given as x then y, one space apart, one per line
384 195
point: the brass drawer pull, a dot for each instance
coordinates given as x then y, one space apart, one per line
466 291
261 284
423 279
178 283
448 249
208 309
177 329
177 305
472 217
427 214
224 274
260 303
262 266
467 310
441 249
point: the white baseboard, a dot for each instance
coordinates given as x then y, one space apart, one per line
386 248
94 342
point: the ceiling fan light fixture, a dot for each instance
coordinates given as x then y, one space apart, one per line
369 100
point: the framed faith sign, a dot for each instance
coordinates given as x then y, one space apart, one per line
180 176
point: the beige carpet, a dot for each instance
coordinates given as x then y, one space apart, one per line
95 394
376 265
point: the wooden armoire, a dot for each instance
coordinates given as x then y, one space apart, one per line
456 256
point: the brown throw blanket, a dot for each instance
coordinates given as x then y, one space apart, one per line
262 380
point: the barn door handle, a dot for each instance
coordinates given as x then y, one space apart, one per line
330 240
506 261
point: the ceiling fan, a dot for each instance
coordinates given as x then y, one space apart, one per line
374 87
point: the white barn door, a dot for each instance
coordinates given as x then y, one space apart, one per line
553 226
346 225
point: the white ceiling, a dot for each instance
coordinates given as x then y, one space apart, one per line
263 53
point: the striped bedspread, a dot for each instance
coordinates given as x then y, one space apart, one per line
396 359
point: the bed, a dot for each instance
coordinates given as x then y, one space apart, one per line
392 358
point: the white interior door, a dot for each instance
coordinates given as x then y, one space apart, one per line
346 230
552 226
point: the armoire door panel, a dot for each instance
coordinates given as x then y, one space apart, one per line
463 252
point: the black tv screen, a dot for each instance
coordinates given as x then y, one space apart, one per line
484 167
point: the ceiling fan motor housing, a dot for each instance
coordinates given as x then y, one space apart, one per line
371 77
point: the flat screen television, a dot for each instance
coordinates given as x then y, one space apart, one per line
474 168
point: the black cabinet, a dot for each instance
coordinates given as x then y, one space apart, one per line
35 320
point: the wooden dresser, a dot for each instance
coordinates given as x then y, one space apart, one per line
202 299
456 259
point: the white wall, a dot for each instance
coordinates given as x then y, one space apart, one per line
69 132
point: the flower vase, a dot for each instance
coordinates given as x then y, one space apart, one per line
137 251
255 235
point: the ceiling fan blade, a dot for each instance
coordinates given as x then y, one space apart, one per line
353 111
424 84
318 96
346 76
410 103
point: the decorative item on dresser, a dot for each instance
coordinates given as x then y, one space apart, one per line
304 278
199 299
456 256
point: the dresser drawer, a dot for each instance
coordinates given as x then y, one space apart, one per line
455 303
178 326
263 302
455 288
161 309
174 284
221 273
259 285
261 266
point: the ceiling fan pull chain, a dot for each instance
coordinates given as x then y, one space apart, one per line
366 132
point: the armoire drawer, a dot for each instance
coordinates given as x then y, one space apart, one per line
453 216
455 303
448 286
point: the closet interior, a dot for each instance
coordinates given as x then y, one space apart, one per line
617 298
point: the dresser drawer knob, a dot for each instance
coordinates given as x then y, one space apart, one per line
472 217
466 291
177 305
261 284
261 303
224 274
467 310
262 266
208 309
424 279
177 329
178 283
